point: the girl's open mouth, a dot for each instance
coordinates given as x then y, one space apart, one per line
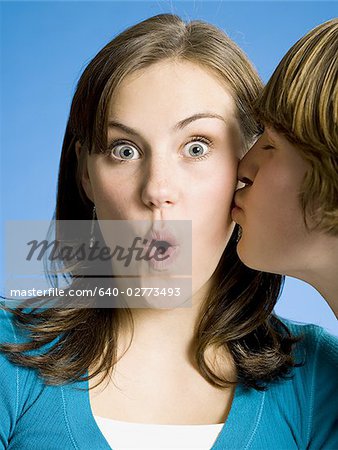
162 249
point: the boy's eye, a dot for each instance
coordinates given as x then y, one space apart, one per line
196 149
267 147
125 152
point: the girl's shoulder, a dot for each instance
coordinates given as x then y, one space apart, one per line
10 379
315 344
16 382
314 378
6 326
10 373
20 387
313 387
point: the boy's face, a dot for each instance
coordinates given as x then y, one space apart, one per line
274 236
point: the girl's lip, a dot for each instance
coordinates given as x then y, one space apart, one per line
162 234
163 260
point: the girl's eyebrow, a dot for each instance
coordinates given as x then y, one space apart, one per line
181 124
122 127
207 115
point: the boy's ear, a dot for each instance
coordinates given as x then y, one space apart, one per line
82 173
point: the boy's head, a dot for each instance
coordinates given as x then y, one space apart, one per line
301 101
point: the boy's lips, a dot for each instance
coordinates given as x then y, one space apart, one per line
236 208
236 201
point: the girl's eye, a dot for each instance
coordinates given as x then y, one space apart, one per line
125 152
196 149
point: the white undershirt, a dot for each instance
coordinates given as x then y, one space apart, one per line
126 435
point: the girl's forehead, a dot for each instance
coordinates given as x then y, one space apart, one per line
171 88
185 75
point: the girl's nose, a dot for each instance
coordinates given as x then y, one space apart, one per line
160 189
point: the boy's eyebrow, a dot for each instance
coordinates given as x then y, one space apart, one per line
181 124
269 132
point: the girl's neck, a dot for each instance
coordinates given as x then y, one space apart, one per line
171 329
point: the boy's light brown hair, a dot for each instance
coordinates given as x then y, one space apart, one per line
301 101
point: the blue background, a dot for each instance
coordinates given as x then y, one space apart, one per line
46 45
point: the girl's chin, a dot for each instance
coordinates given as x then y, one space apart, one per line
156 292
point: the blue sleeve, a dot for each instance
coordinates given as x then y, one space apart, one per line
9 383
323 423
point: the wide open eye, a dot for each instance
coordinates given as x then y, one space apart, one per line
125 152
196 149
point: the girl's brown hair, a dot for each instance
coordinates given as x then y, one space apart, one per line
301 101
237 313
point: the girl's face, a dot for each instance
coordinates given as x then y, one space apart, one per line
274 236
172 154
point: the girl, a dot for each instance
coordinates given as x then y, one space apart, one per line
158 122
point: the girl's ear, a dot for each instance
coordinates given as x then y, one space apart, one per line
82 171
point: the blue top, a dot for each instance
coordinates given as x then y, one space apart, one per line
298 413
